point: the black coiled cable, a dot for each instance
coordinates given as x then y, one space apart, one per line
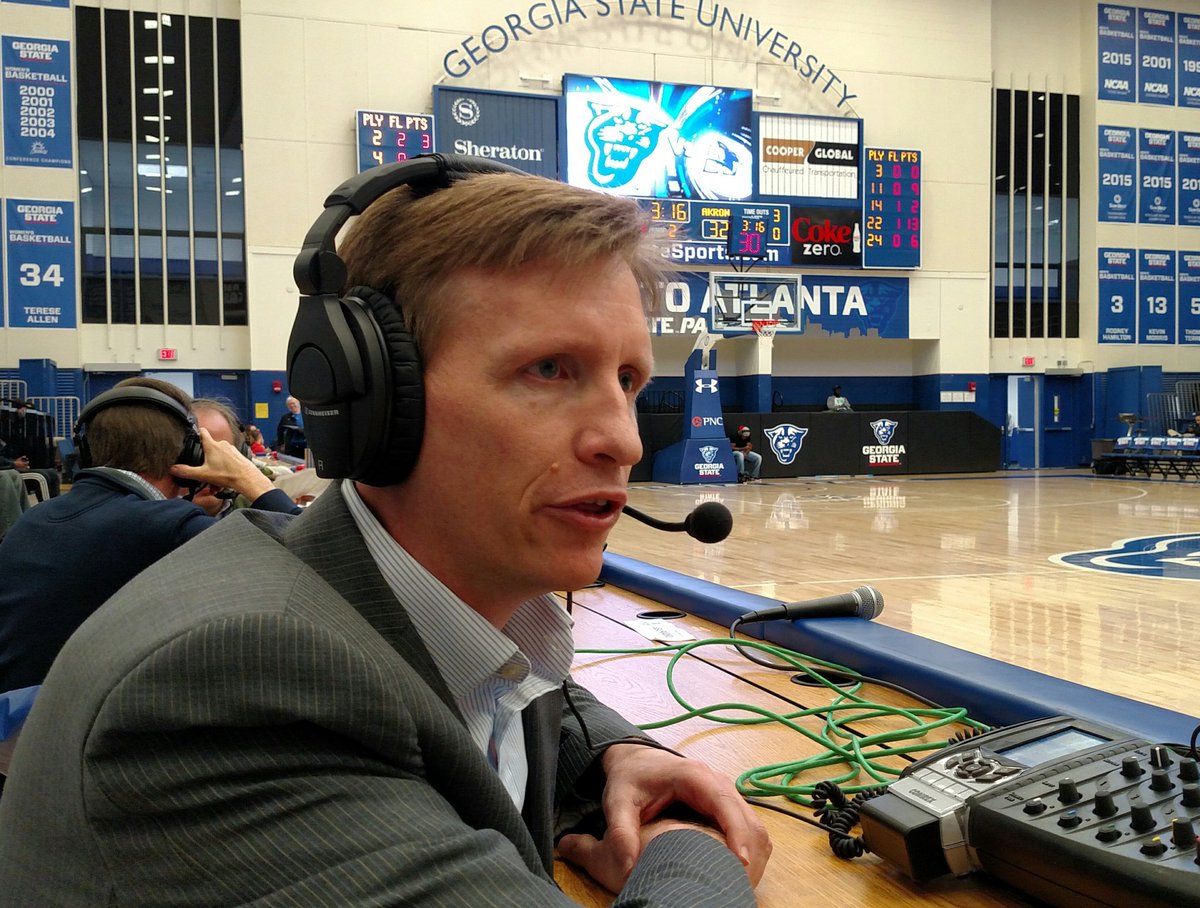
839 814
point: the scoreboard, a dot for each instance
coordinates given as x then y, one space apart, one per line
727 230
891 236
384 138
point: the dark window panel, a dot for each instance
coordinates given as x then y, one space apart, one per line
229 76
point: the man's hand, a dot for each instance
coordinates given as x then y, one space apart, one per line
641 783
225 467
21 463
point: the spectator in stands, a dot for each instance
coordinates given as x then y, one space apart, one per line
837 403
15 451
223 425
1194 428
255 440
289 435
63 558
386 719
743 454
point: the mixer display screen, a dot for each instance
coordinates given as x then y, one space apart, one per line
1053 747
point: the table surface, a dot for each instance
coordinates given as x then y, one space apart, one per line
802 864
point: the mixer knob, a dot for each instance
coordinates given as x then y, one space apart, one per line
1189 770
1035 806
1070 819
1068 791
1154 847
1160 781
1131 768
1141 818
1105 805
1160 756
1108 833
1191 795
1182 833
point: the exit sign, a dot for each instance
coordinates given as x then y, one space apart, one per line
1025 360
167 353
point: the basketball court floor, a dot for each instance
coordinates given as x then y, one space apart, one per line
1090 579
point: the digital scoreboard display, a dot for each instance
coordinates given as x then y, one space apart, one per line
891 235
713 232
385 138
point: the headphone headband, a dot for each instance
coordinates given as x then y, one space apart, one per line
351 360
192 453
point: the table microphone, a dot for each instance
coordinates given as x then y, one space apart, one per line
864 602
710 522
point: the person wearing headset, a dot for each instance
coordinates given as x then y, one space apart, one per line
389 720
62 559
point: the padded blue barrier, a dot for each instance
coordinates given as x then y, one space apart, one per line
14 707
994 692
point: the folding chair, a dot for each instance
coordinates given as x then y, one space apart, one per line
36 487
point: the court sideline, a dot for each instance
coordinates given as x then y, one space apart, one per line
1055 571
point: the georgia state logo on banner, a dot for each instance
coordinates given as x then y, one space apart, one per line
786 441
884 429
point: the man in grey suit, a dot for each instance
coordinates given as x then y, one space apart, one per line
387 718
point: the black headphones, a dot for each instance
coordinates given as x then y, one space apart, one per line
192 453
351 359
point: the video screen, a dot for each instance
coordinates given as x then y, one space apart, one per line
658 139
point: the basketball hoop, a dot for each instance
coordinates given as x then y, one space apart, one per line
765 327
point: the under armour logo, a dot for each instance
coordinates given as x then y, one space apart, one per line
706 384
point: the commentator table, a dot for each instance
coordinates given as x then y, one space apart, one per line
802 867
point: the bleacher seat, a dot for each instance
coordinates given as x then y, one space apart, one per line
1153 456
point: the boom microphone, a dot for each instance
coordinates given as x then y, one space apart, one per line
710 522
864 602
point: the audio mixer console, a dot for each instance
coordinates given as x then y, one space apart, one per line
1070 811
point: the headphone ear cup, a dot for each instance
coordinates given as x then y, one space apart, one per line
192 454
405 424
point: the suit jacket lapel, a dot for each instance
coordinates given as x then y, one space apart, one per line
327 539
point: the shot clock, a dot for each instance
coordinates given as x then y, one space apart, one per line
385 138
891 236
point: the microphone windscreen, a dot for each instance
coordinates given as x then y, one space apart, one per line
710 522
870 602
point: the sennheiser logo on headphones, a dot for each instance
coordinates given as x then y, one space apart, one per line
465 112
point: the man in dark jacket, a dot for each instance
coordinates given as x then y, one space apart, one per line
62 559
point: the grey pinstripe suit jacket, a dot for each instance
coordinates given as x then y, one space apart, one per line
195 745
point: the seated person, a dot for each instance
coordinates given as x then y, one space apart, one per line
255 441
63 558
289 434
1194 427
14 455
13 499
223 425
836 402
390 718
743 454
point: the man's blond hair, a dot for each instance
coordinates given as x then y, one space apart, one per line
410 248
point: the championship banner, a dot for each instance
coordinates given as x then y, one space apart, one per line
1156 296
1118 171
866 305
37 101
1156 164
1116 43
40 263
1156 57
1189 179
1189 297
514 129
1188 56
49 4
1117 294
803 157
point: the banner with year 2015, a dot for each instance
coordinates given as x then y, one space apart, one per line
1117 157
1117 297
1188 55
1116 47
1187 159
37 102
1156 166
